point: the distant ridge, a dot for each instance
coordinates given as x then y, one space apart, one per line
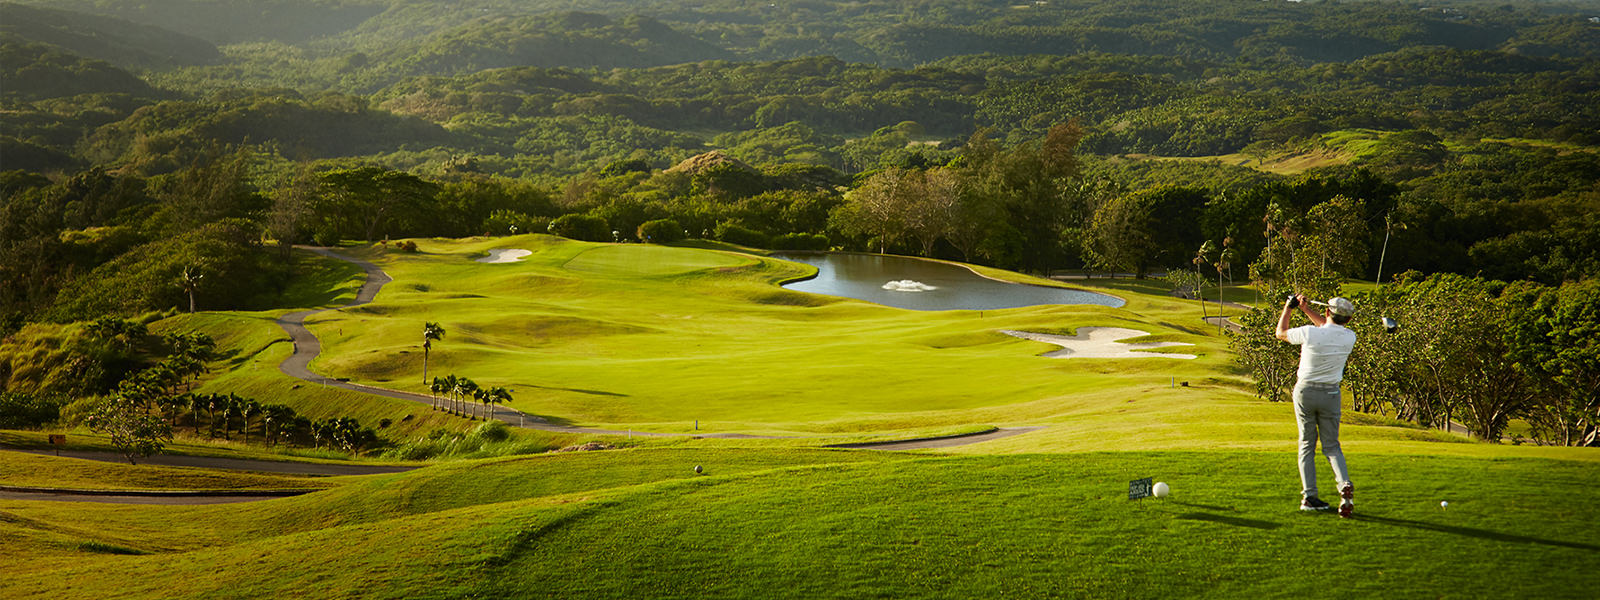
117 41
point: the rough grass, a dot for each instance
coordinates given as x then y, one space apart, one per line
33 470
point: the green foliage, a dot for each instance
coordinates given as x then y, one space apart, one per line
22 410
581 227
815 242
660 231
36 71
237 272
134 431
733 233
124 43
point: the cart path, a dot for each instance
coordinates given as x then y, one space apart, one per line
235 464
947 441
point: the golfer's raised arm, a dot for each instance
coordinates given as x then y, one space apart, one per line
1284 317
1317 318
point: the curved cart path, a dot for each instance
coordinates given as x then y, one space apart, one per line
169 499
307 347
235 464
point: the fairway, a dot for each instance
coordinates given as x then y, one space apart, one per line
656 338
666 339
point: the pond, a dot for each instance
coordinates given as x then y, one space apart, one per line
925 285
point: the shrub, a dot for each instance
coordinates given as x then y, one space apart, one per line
500 222
20 410
588 228
800 241
326 235
407 246
661 231
732 233
492 431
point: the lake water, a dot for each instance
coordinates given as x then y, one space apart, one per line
925 285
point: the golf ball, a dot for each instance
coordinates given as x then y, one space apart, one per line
697 468
1444 504
1160 489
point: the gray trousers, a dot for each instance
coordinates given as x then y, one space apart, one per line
1316 410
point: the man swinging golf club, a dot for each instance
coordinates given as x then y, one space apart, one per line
1324 347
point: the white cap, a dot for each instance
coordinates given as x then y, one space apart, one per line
1340 306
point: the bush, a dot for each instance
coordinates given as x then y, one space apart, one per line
660 231
588 228
20 410
326 235
732 233
492 431
800 241
407 246
500 222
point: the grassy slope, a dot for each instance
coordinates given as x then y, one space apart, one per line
997 526
33 470
770 520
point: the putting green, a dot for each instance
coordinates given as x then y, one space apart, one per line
650 261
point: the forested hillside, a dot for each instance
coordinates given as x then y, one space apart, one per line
1039 135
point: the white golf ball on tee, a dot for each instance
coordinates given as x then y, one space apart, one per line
1444 504
1160 489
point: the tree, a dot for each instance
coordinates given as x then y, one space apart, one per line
289 218
1118 238
1033 183
124 416
881 208
430 331
372 197
189 280
583 227
660 231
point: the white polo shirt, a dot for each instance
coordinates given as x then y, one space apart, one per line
1323 351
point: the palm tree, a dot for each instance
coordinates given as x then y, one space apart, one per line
189 281
438 387
468 389
273 416
451 383
498 395
197 403
251 408
430 332
1201 257
482 395
1223 262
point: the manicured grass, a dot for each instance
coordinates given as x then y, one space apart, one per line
995 526
654 338
584 334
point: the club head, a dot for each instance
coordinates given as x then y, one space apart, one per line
1390 325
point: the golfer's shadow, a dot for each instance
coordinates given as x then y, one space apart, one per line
1471 532
1223 519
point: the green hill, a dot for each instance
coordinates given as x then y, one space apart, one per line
561 40
121 42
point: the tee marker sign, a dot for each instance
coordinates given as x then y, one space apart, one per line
1141 488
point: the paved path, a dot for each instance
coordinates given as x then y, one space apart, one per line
187 498
942 442
236 464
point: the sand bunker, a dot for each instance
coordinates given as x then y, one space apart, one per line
505 255
907 285
1099 342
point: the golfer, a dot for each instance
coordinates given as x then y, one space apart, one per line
1324 346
